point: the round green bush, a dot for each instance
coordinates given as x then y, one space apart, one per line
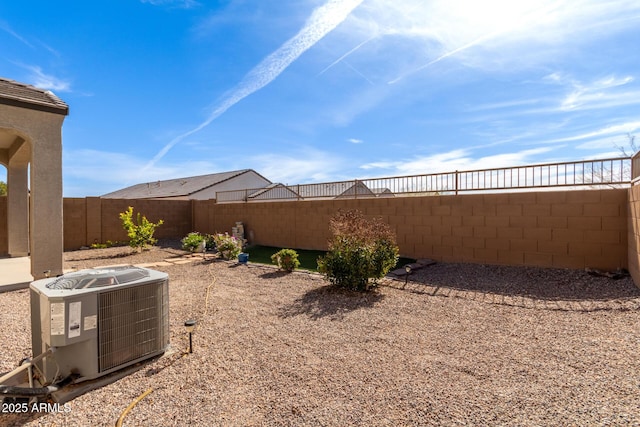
192 241
360 250
286 259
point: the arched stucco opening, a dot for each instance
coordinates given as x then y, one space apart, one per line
31 149
16 154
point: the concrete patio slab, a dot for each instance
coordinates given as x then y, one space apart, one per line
15 273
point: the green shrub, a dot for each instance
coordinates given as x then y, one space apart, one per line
286 259
228 246
210 242
141 231
108 244
192 241
359 250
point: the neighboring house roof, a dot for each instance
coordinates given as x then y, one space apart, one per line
274 191
26 96
382 192
330 189
359 189
179 187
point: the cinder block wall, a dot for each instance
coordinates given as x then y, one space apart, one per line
74 222
95 220
176 215
572 229
634 233
4 242
568 229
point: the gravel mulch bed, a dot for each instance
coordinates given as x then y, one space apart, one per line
461 344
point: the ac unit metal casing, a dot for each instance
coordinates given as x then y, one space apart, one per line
99 320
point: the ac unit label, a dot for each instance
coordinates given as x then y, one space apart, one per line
75 308
57 318
90 322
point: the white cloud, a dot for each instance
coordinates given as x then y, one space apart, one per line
606 143
308 165
42 80
460 159
506 105
593 92
600 94
499 35
355 141
613 130
105 171
183 4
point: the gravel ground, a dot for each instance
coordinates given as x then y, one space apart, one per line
461 344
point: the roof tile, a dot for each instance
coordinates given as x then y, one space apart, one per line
179 187
27 96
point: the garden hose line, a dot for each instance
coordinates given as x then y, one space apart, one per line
206 301
184 353
131 405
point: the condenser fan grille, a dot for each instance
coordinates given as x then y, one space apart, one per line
97 278
63 283
133 323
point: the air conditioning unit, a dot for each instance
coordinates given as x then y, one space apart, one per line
98 321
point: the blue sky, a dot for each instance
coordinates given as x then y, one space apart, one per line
321 90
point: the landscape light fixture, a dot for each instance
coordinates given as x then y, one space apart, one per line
190 325
407 268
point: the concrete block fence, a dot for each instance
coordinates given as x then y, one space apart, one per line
574 229
566 229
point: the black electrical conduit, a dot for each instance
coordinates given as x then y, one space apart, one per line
15 391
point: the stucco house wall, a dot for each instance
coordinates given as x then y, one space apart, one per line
33 138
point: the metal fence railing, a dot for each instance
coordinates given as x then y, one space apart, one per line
635 167
612 172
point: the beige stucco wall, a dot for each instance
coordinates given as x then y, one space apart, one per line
42 135
3 226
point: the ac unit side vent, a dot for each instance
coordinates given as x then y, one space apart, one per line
133 323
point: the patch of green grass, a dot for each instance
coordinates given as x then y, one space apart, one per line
262 254
308 258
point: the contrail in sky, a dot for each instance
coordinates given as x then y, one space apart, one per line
4 26
345 55
445 55
321 22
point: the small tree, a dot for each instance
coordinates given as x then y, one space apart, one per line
3 188
141 232
359 250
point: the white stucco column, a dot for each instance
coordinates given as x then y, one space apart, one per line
46 237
